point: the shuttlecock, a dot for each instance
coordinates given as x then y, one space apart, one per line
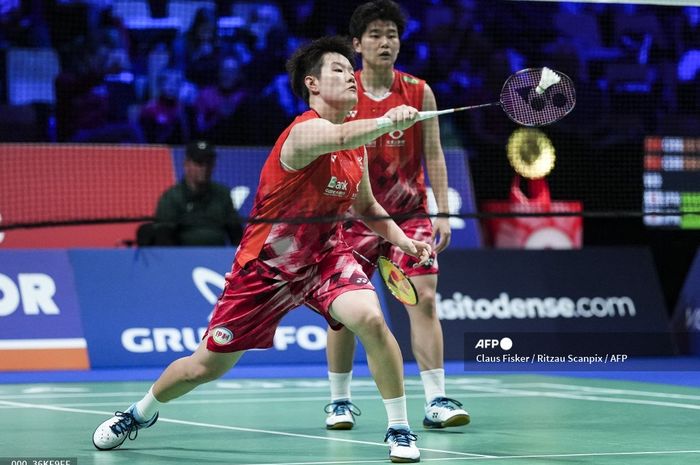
548 78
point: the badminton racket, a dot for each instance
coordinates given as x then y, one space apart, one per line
530 97
395 279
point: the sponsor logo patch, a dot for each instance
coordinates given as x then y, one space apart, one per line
336 187
222 335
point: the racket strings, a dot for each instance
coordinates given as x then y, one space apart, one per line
524 105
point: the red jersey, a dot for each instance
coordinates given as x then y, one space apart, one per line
395 168
325 187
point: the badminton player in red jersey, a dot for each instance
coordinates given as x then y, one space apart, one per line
317 167
398 183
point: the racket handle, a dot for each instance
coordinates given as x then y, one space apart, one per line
383 122
432 114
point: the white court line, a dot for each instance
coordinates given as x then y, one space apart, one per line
623 401
463 455
494 458
234 428
30 344
304 387
503 390
602 390
203 392
272 399
562 395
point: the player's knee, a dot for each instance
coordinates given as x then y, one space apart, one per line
372 322
199 373
426 296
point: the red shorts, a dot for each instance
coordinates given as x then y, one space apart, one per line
255 299
363 240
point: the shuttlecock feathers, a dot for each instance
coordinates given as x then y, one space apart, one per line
548 78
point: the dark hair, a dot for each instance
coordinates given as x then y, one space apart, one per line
308 59
384 10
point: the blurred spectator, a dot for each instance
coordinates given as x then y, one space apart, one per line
90 104
196 211
197 52
222 110
579 26
687 41
314 18
486 130
112 41
22 24
639 34
687 30
106 71
279 107
163 119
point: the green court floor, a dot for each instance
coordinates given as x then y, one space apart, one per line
516 419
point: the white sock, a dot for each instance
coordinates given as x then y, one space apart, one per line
147 407
433 383
396 412
340 385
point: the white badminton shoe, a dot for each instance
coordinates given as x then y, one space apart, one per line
122 426
402 446
341 414
443 412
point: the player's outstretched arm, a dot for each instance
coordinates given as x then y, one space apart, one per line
313 138
437 172
366 205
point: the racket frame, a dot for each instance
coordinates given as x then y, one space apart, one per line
423 115
396 268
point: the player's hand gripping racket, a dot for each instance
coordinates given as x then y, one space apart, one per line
395 279
531 97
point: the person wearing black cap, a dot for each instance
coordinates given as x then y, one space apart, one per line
197 211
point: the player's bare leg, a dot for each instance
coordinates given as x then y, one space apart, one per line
340 353
340 350
426 332
359 311
179 378
186 373
428 349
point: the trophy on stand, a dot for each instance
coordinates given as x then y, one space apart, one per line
531 154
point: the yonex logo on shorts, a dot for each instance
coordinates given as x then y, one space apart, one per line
221 335
358 279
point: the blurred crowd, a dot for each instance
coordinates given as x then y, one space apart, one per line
168 71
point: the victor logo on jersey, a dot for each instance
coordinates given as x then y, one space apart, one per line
336 187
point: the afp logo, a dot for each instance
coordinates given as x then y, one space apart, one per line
505 343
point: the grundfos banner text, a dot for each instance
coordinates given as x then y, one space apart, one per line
589 291
82 308
152 305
